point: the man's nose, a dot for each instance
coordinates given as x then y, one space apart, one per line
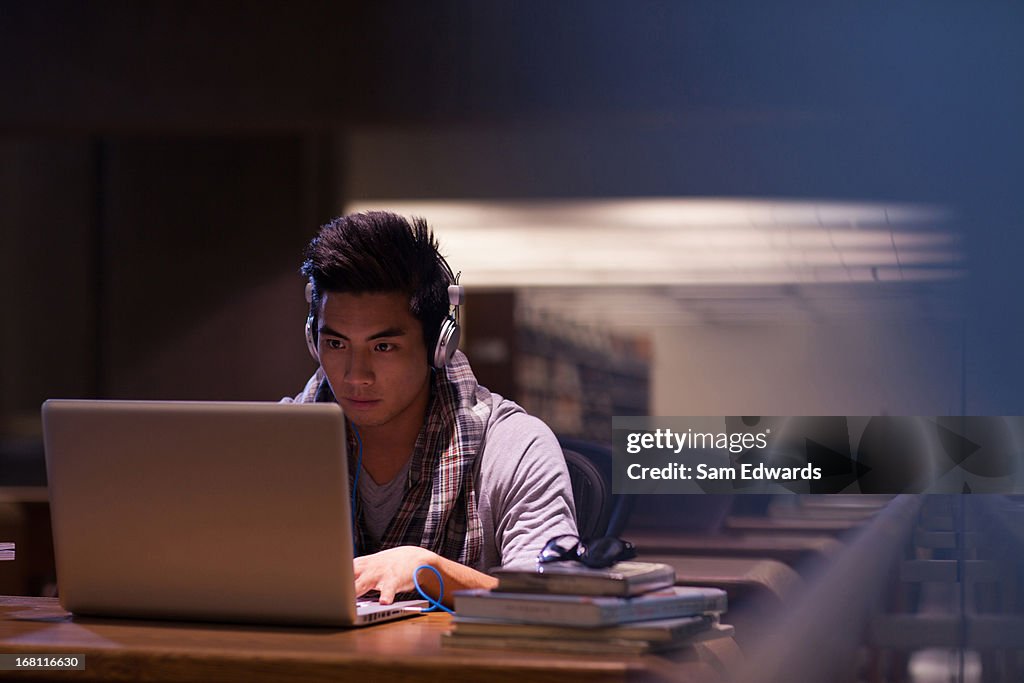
359 369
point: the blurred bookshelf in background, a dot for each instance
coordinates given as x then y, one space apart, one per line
574 377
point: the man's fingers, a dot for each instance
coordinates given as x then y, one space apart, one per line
365 578
387 593
389 571
363 587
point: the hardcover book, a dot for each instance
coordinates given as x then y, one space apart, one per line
652 630
613 646
573 578
583 610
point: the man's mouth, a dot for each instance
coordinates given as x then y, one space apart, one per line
361 401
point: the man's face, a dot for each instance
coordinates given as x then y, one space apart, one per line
372 350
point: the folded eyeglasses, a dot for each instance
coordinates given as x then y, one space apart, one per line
595 553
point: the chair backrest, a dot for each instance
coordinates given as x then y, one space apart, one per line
598 512
591 494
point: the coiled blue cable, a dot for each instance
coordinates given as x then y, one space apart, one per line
435 604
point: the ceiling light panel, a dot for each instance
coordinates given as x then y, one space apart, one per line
671 241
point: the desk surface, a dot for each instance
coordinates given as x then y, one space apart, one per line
741 577
410 649
792 525
793 550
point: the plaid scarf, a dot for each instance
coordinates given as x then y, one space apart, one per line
438 511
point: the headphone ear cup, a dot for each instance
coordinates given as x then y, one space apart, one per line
447 342
310 339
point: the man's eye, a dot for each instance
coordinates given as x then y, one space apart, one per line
335 344
384 347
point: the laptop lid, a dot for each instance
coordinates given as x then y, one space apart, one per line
201 510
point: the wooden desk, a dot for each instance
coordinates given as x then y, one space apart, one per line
799 552
850 513
791 525
406 650
745 579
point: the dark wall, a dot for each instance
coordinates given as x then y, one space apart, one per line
201 242
157 266
48 270
169 160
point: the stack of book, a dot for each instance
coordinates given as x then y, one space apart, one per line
6 551
629 608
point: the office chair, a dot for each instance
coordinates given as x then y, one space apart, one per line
598 512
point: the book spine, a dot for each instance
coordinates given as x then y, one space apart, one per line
642 610
620 647
683 628
529 611
582 613
563 587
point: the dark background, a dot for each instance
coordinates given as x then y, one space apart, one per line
163 164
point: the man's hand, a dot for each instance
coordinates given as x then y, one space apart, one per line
390 571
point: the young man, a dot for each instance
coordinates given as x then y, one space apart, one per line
446 473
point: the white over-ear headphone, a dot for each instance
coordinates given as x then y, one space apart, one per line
447 339
311 323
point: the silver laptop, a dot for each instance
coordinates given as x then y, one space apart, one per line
236 512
